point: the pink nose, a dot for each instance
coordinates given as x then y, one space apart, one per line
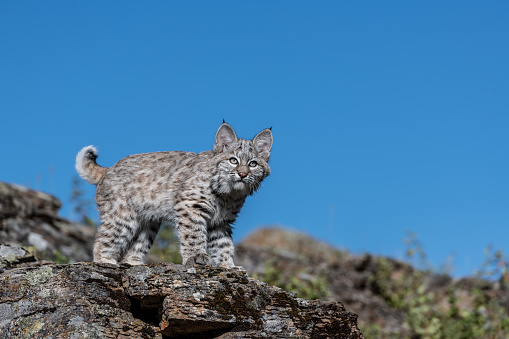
242 174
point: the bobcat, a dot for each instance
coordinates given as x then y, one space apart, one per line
201 194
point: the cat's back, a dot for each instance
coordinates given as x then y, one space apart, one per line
153 160
155 166
148 164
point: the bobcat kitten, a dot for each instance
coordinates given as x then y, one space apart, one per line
200 194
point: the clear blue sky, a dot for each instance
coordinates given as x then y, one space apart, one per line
387 117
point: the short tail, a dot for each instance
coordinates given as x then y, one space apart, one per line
86 166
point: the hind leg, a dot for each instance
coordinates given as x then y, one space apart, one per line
139 248
114 236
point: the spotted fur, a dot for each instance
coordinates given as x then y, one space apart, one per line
200 194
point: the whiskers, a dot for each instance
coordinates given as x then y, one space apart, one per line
250 183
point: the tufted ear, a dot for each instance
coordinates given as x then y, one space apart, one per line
263 143
225 137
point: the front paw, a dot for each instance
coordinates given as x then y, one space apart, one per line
238 268
231 266
198 259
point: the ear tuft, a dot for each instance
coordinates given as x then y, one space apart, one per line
263 143
225 137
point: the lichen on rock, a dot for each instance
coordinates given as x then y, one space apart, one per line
39 275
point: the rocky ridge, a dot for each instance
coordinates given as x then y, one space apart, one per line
392 298
30 218
156 301
40 299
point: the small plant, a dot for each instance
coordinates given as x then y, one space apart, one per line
166 245
81 204
305 286
414 253
59 258
55 255
494 267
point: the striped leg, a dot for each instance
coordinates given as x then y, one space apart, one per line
192 231
113 239
142 244
220 246
119 226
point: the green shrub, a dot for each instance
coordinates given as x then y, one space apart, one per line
424 318
310 287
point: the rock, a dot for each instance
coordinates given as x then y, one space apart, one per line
86 300
21 202
30 218
366 283
11 256
42 299
348 278
83 300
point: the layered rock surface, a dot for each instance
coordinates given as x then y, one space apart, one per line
86 300
41 299
161 305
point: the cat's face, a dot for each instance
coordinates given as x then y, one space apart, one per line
243 167
242 164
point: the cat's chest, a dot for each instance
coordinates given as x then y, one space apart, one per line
224 212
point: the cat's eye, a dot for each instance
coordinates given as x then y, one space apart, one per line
234 161
253 163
